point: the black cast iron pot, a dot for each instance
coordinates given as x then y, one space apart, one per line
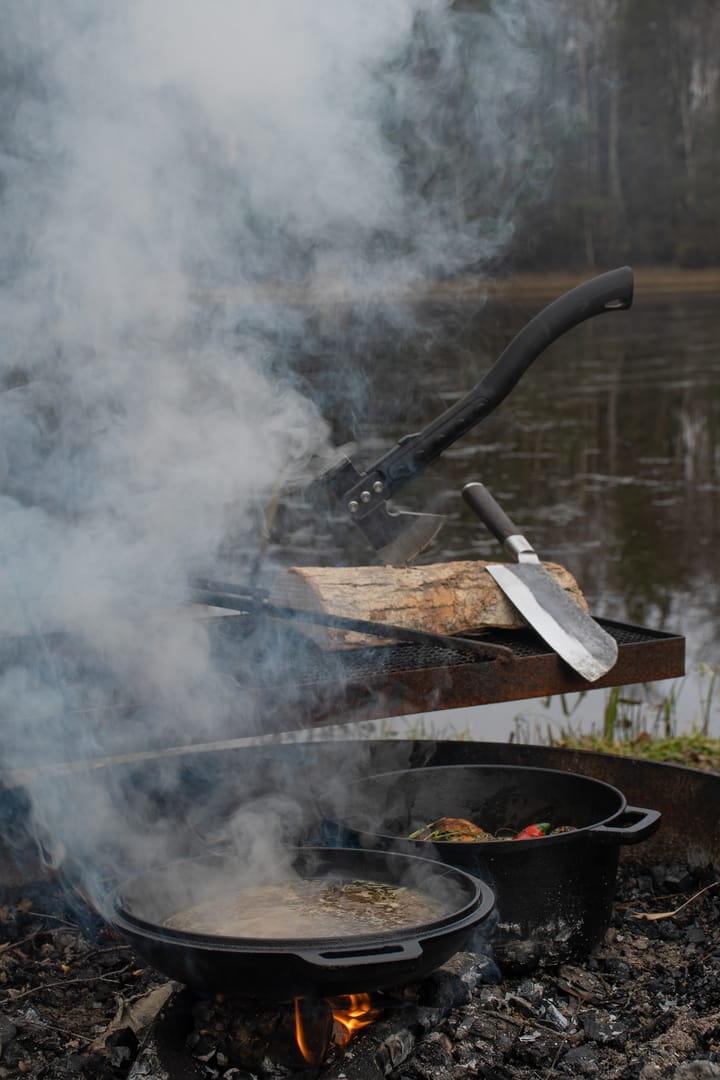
553 895
280 969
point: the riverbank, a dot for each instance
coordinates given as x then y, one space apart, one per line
336 292
657 280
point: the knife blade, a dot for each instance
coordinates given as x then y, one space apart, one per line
399 537
569 630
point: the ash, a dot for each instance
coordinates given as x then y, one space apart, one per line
74 1001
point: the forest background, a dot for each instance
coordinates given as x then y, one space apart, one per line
618 152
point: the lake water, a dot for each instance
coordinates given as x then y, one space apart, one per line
607 456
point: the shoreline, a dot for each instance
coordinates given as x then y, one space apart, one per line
538 285
655 279
649 280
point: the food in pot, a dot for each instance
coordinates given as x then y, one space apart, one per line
461 831
312 908
533 832
454 830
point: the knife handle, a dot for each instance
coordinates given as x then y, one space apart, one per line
492 514
612 291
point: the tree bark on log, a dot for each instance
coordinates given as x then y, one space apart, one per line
442 598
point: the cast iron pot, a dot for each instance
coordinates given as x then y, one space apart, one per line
280 969
553 895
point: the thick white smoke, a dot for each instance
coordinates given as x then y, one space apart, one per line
174 175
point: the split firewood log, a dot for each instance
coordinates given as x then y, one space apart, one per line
442 598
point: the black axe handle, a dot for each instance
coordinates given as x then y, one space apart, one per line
222 595
612 291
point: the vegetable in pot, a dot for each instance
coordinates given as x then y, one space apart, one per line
533 832
461 831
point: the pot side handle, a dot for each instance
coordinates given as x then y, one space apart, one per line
339 958
643 824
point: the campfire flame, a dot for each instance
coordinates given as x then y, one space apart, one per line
351 1012
313 1029
347 1015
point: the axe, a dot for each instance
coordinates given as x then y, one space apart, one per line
399 536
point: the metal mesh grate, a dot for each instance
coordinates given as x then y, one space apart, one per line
386 659
312 664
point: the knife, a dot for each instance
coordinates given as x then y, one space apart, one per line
553 614
399 536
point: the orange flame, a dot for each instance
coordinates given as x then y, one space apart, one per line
351 1013
345 1015
311 1043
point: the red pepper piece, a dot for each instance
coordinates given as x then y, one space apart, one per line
533 832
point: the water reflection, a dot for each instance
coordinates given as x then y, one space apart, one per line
607 455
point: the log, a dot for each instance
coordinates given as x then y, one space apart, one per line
442 598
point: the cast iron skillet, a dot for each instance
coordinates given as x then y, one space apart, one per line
554 895
281 969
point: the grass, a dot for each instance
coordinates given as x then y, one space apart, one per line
695 749
639 722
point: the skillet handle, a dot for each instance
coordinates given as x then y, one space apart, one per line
339 958
645 824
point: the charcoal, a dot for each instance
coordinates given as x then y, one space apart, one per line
496 1032
580 1056
8 1031
122 1047
675 878
12 1055
539 1050
603 1029
552 1015
696 1070
520 1005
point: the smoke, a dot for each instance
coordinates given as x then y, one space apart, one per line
191 193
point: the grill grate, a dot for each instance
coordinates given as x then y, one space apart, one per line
287 681
399 678
524 643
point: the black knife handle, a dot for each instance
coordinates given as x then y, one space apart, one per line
612 291
482 503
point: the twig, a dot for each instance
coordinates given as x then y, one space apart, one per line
99 952
57 918
551 1067
54 1027
11 998
669 914
8 945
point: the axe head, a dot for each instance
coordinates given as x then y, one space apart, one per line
397 537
